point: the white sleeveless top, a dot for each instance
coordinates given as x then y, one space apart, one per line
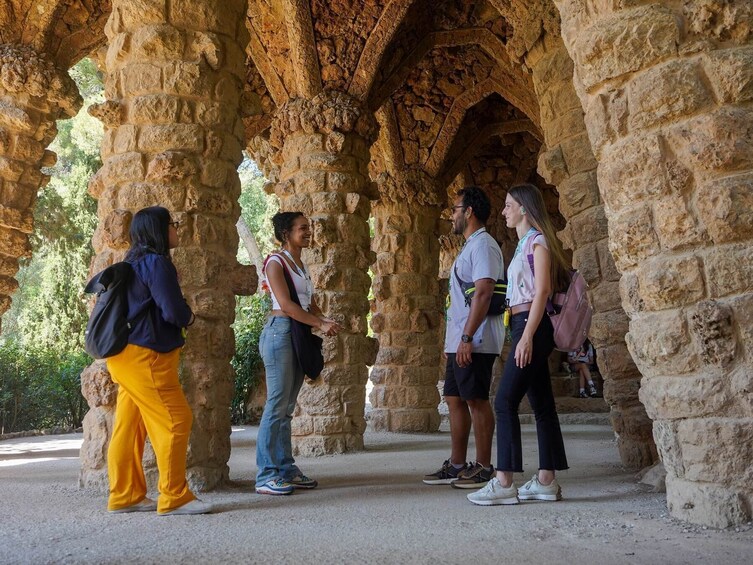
521 288
301 281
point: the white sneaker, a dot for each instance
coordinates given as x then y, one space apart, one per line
146 505
493 494
534 490
196 506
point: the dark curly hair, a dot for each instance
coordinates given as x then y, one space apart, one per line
282 222
477 200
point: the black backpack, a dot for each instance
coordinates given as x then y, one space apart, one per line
109 326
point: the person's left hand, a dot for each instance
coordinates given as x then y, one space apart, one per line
463 354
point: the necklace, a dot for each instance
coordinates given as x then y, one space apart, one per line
523 239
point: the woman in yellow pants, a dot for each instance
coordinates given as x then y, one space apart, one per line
150 398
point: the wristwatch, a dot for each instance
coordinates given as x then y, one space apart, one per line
465 338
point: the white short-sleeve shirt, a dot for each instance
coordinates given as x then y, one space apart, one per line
480 258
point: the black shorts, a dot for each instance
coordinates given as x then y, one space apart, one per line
472 382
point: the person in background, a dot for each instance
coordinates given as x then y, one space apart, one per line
150 398
580 361
277 472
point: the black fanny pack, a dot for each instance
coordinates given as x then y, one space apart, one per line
499 296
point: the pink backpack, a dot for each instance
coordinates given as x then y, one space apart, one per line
569 311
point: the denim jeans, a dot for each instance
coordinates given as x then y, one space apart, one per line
533 380
274 453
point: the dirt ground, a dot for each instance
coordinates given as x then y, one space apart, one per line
371 507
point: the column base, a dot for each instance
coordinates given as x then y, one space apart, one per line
423 420
706 504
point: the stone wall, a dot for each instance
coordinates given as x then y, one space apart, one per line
33 94
667 92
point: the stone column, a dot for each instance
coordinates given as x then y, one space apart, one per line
668 111
173 137
569 164
409 304
33 94
321 146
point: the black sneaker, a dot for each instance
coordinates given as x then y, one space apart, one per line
474 476
592 392
445 475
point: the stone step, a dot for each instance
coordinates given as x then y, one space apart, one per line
571 405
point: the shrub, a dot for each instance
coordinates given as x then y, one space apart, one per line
40 388
251 314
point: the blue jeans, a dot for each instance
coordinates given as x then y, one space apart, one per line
274 452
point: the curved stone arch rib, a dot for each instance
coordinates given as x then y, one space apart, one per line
480 36
377 43
389 136
39 24
492 130
304 56
452 123
266 69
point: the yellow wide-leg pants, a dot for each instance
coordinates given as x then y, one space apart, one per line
150 401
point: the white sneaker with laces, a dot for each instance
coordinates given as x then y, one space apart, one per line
534 490
196 506
494 494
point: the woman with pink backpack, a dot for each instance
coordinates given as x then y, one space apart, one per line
527 366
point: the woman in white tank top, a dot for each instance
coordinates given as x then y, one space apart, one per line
277 472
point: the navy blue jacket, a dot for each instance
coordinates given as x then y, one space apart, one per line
155 287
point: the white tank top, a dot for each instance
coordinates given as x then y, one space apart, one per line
301 281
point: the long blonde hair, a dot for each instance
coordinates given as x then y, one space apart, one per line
530 198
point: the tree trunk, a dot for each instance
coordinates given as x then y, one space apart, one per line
249 242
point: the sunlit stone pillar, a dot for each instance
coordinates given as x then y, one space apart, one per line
33 94
321 146
408 304
173 137
668 111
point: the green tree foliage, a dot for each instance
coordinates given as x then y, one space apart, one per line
257 207
40 388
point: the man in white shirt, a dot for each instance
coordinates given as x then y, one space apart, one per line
473 340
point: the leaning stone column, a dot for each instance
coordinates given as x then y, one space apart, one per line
668 110
322 148
408 304
569 164
33 94
173 138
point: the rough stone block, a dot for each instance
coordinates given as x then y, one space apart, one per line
615 363
674 224
589 226
671 282
578 193
631 171
725 206
624 42
552 165
666 92
139 195
133 15
729 270
713 505
186 78
605 118
608 327
632 238
687 396
731 73
161 42
125 139
154 109
660 344
171 166
141 78
716 142
176 137
578 154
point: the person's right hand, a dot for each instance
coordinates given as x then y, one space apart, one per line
329 327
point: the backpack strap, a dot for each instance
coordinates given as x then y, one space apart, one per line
550 309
